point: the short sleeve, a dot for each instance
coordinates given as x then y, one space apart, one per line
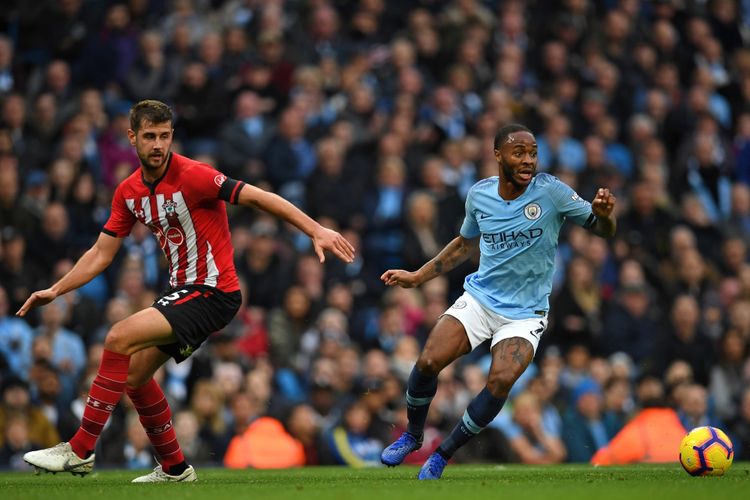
207 183
571 205
121 219
470 227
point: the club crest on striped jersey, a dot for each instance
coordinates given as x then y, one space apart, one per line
170 208
532 211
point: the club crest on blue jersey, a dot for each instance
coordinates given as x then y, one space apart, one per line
532 211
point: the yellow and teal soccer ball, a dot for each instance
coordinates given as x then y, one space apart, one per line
706 451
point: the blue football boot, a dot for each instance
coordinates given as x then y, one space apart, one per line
433 467
396 452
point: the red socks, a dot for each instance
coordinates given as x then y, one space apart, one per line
148 400
156 418
103 397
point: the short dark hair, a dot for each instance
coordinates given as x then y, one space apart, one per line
150 110
504 132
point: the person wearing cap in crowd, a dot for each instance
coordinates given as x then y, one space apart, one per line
586 426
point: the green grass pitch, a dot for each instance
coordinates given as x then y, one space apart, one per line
460 482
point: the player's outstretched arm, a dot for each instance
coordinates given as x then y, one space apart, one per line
94 261
454 253
603 208
322 237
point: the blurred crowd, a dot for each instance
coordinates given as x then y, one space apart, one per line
376 117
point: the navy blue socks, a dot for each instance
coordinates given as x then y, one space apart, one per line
419 393
481 411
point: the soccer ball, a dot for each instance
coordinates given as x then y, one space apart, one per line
706 451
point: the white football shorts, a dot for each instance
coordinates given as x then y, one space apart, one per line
481 323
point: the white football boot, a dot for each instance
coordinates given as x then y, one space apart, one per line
59 458
159 476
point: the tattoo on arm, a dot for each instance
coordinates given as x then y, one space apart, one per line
438 266
454 253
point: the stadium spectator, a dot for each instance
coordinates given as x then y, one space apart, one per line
740 429
286 326
16 443
16 338
117 155
579 308
587 427
264 266
16 404
243 141
686 340
289 157
727 375
528 437
693 408
350 442
327 181
632 324
12 212
45 379
206 404
303 425
201 106
136 453
264 445
651 436
186 429
67 348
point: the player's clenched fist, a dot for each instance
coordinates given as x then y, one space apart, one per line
604 203
404 279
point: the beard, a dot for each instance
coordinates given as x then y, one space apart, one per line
147 161
509 175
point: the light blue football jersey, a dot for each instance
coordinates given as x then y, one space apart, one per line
517 241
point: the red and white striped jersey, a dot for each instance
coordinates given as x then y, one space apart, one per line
185 211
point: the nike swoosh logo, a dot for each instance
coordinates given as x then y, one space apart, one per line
538 332
68 467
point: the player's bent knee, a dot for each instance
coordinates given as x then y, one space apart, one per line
427 365
500 382
136 380
117 340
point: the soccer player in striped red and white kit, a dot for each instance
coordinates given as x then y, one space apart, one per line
181 201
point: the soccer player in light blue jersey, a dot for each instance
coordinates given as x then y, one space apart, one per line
514 220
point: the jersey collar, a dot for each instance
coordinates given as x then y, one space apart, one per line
152 185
